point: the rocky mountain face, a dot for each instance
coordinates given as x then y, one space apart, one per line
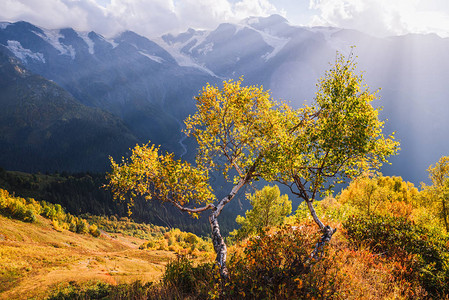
129 76
43 128
149 85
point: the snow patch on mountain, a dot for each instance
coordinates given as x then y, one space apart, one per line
183 60
88 41
206 48
152 57
186 61
239 27
3 25
22 53
112 42
196 39
52 37
251 20
276 42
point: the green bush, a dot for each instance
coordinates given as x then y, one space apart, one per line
100 290
72 226
29 216
94 231
113 225
149 244
48 211
422 250
191 238
187 279
17 208
82 226
28 209
73 290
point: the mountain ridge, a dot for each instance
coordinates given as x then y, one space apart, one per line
150 83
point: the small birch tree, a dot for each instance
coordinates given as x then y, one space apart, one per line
269 208
336 138
233 127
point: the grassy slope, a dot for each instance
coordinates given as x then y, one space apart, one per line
34 258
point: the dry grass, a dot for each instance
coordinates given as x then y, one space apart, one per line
34 258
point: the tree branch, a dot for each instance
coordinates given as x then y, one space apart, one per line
191 210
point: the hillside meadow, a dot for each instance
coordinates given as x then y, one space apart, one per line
40 255
391 243
36 258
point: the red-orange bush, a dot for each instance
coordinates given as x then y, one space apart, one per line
273 263
421 255
276 265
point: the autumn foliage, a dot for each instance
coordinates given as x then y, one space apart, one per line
390 244
28 209
275 265
386 252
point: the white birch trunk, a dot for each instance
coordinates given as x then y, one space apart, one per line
217 239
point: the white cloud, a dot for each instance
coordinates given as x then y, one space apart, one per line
150 18
203 13
247 8
82 15
384 17
206 14
142 16
155 17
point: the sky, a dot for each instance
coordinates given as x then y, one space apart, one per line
153 18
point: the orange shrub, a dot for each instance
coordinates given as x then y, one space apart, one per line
276 265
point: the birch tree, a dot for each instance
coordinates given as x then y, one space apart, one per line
233 127
336 138
242 132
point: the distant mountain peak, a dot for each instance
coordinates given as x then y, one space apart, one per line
25 25
274 25
266 21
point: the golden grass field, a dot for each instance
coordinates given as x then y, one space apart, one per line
35 259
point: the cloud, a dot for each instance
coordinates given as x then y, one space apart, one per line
155 17
247 8
203 13
149 18
82 15
144 17
383 17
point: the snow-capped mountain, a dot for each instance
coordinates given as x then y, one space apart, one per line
232 49
410 70
150 84
129 76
